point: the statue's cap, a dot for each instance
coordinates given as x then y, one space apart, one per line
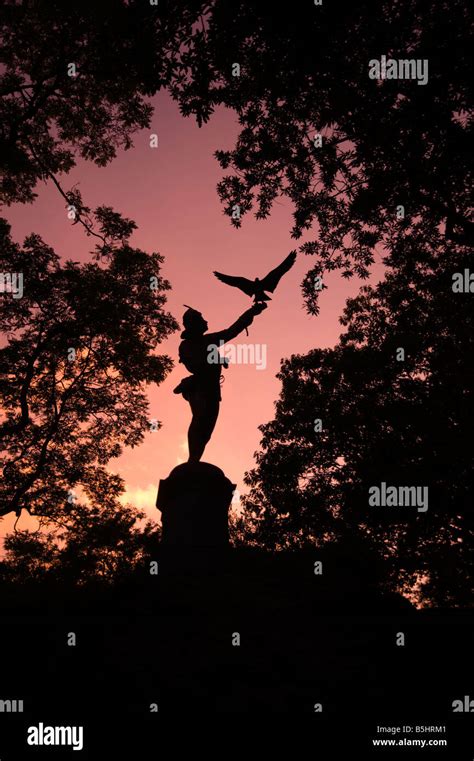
191 320
191 316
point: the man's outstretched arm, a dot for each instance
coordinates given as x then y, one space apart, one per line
237 327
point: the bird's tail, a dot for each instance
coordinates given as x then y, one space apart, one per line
263 297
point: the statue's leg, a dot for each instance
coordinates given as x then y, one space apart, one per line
205 411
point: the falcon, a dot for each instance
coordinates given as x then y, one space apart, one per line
257 288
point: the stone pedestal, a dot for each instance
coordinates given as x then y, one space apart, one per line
194 501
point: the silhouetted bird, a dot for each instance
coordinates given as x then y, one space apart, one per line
257 288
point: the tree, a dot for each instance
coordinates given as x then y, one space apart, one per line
80 352
405 422
391 152
75 82
97 541
81 339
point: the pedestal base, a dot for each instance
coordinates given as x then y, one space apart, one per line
194 501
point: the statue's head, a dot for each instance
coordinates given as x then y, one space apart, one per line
194 323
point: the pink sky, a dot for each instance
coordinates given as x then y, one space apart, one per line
170 192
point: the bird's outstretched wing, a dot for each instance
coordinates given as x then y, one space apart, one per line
247 286
270 282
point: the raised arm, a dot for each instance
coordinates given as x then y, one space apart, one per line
237 327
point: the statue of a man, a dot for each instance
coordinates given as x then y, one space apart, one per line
202 389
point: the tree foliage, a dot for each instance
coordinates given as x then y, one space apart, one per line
80 350
405 423
385 143
98 541
75 81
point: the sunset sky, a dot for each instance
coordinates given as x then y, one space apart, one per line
170 192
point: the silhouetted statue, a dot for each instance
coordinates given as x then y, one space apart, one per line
202 389
257 288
